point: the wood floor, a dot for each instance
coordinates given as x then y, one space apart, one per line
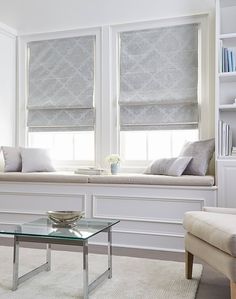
213 285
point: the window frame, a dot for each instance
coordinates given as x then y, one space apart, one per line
203 74
22 131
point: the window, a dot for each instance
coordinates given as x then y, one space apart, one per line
158 96
65 146
61 113
150 145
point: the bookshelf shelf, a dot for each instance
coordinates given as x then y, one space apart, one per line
228 36
223 158
229 107
227 76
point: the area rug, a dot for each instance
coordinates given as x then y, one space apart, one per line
133 278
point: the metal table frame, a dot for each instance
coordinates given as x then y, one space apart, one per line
87 287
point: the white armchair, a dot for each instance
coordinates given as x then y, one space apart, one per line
211 235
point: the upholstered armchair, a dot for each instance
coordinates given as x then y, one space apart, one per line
211 235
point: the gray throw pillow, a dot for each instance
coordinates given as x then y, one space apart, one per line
201 153
36 160
12 159
168 166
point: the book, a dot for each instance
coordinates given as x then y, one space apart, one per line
220 137
90 171
225 139
227 59
226 63
233 60
220 56
230 62
230 141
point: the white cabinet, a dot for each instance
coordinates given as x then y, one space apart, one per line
7 87
227 183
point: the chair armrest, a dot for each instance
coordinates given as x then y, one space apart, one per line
220 210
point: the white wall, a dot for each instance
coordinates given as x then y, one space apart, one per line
7 87
31 16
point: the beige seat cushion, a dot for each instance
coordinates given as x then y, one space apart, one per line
46 177
216 229
146 179
139 179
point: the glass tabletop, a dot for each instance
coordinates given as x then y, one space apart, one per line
44 227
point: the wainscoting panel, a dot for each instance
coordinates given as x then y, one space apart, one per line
167 242
150 216
151 227
144 208
39 203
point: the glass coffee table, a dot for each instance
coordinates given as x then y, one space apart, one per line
43 230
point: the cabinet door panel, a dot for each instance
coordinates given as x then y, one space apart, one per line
227 184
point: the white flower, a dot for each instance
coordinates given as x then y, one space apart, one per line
113 159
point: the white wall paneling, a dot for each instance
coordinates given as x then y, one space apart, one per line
113 207
151 216
226 183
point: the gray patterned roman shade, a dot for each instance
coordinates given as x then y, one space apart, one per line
159 78
61 84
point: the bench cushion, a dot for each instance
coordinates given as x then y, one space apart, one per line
216 229
46 177
144 179
138 179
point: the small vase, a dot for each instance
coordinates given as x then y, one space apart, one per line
114 168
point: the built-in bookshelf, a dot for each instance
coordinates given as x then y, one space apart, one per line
226 79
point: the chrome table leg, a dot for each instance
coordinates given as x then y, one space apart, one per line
48 257
15 263
85 269
109 253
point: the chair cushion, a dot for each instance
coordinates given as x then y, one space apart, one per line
216 229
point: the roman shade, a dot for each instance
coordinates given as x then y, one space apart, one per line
159 78
61 84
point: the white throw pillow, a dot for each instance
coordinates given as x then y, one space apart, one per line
36 160
12 159
168 166
1 162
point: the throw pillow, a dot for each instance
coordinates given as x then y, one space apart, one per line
36 160
169 166
1 162
201 153
12 159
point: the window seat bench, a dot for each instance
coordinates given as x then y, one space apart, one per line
150 207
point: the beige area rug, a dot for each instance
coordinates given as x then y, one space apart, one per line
133 278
